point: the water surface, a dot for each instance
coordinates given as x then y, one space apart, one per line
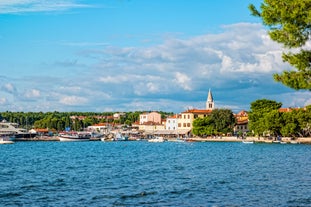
154 174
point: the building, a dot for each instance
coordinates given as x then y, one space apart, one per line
210 105
186 118
100 127
241 125
172 123
154 117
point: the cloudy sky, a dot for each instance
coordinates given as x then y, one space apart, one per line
128 55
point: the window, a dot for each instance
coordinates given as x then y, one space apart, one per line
184 125
188 124
179 124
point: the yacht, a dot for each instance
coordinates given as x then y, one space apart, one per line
74 136
13 130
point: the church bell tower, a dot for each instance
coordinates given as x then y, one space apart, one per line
210 101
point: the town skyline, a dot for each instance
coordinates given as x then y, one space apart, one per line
98 56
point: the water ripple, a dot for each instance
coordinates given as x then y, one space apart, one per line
144 174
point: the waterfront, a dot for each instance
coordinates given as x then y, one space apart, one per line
154 174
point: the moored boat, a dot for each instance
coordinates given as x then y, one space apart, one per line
16 133
248 142
120 137
5 140
74 137
156 139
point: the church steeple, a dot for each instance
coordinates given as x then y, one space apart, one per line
210 101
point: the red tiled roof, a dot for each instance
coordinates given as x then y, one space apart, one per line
198 111
99 124
289 109
42 130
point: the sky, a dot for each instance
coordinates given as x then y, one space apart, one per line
137 55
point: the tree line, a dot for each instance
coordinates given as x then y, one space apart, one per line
58 121
266 119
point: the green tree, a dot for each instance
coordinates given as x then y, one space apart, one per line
224 120
262 112
220 121
290 125
203 126
273 122
289 23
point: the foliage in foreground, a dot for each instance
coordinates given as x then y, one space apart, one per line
289 24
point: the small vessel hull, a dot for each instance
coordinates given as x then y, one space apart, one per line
68 139
74 137
6 142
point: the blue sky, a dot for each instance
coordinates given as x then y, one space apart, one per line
128 55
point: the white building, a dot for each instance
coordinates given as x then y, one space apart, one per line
172 123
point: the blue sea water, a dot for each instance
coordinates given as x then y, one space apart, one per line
154 174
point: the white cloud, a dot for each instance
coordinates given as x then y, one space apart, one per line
113 79
183 81
73 100
152 87
33 93
25 6
9 87
3 100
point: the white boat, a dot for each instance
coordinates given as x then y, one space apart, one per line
5 140
120 137
248 142
156 139
74 137
12 129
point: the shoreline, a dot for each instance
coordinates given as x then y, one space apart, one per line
284 140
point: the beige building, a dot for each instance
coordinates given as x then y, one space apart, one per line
186 118
241 122
150 117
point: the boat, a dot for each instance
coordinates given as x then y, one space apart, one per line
5 140
120 137
156 139
13 130
74 136
248 142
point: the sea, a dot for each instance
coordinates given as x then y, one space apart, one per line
140 173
